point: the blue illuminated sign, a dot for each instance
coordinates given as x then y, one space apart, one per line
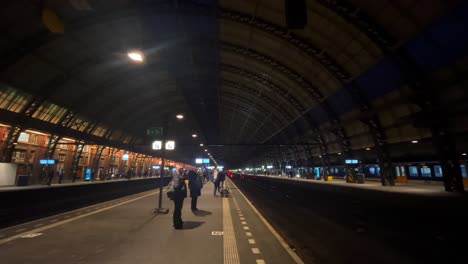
125 157
156 167
206 160
88 175
47 161
351 161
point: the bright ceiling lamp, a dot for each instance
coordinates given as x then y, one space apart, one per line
180 116
136 56
194 135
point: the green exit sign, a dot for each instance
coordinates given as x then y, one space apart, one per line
154 132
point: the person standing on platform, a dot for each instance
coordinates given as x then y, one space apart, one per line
195 185
61 176
222 178
180 192
51 176
215 182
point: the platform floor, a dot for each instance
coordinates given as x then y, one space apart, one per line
126 230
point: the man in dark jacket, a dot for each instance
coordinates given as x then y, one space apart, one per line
195 188
222 178
180 192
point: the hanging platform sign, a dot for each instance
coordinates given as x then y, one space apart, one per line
154 132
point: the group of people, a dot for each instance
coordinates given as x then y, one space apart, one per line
195 184
50 175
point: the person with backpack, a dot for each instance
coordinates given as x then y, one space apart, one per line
180 192
222 178
195 185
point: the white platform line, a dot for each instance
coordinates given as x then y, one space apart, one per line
41 229
255 250
231 253
285 245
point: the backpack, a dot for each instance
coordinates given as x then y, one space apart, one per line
181 189
199 182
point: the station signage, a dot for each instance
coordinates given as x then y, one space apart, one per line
207 161
48 161
170 145
198 161
88 174
125 157
351 161
157 145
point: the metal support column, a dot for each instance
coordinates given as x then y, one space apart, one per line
76 158
97 159
324 156
387 174
51 146
9 144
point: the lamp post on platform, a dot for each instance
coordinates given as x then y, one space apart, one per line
163 145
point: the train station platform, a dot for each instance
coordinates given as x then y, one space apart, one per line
69 183
126 230
414 187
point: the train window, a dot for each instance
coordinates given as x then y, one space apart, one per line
413 171
426 171
378 170
463 170
372 170
438 171
397 170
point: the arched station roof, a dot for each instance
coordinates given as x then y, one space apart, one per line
360 75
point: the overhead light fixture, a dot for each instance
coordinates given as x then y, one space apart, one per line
180 116
136 56
463 154
201 144
339 153
36 132
414 141
206 150
194 135
367 148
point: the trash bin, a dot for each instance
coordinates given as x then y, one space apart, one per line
360 178
23 180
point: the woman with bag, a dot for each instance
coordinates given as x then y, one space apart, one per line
180 192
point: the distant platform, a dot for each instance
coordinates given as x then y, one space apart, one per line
413 187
